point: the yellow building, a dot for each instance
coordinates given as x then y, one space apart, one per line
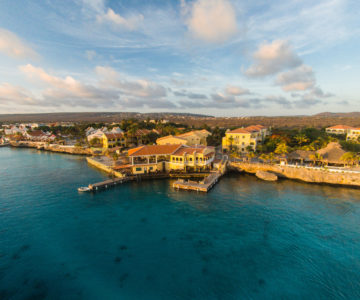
191 138
111 140
165 158
171 140
192 158
353 134
241 139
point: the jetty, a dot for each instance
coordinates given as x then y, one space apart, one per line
109 183
201 186
206 184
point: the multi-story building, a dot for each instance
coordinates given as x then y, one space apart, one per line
166 158
191 138
338 129
244 139
112 140
353 134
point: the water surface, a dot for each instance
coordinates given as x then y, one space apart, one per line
246 239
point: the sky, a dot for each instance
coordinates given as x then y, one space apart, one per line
216 57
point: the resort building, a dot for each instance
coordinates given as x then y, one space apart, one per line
244 139
166 158
353 134
112 140
191 138
171 140
338 129
192 158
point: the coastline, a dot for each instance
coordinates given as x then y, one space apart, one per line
52 147
309 175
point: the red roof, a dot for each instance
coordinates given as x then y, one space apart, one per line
340 127
153 150
114 135
36 133
254 128
239 130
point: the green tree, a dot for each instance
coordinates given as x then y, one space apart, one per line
301 139
282 148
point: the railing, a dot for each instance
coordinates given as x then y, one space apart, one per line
333 169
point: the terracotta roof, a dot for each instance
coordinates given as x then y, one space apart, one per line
190 150
114 135
187 133
154 150
239 130
169 136
254 128
340 127
142 132
36 133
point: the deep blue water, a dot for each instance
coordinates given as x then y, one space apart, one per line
246 239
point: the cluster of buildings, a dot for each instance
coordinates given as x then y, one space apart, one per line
26 132
352 133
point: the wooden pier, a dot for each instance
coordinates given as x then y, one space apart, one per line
109 183
201 186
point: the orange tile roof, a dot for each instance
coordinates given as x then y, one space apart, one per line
154 150
239 130
190 150
187 133
340 127
114 135
254 128
169 136
36 133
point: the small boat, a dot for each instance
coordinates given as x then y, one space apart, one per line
84 189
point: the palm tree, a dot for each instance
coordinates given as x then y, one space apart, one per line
316 157
301 139
282 148
350 158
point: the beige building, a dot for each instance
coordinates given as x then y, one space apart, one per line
191 138
353 134
339 129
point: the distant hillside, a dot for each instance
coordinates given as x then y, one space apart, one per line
319 120
92 116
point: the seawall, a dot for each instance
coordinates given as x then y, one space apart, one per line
93 162
313 175
52 147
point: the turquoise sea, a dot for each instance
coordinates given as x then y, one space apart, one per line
246 239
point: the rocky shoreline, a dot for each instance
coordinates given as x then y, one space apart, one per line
311 175
52 147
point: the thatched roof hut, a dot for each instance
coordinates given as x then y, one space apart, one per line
332 153
300 155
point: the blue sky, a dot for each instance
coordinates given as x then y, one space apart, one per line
218 57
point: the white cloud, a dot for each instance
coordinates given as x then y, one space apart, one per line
299 79
139 87
130 23
212 21
271 58
15 95
11 45
236 91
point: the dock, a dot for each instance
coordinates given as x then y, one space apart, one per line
109 183
206 184
201 186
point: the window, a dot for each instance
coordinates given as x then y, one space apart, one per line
138 169
150 168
